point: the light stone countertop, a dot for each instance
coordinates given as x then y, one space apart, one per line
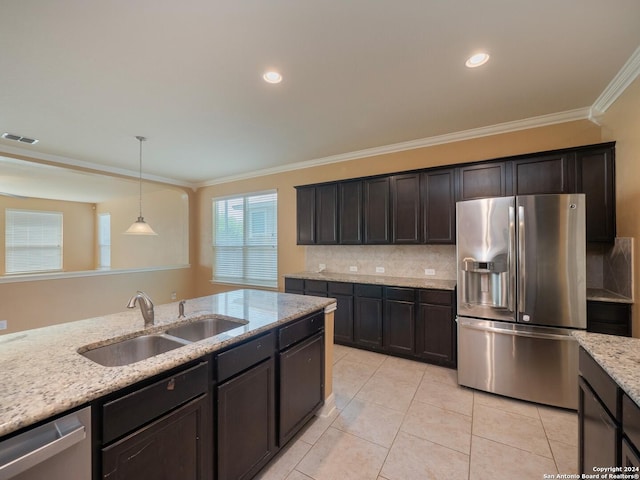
434 283
603 295
43 375
618 356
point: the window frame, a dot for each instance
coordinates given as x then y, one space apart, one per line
253 244
10 247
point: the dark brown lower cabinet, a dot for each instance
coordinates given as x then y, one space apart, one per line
436 339
169 448
598 432
301 385
630 456
343 319
367 320
159 430
246 422
436 334
409 322
399 320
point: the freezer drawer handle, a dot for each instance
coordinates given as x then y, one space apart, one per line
553 336
66 431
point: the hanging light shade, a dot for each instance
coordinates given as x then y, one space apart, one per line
140 227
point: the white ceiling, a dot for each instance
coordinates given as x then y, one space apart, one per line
86 76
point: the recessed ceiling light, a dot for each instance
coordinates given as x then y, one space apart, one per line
477 60
272 77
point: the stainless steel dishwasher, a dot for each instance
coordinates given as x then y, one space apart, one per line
58 450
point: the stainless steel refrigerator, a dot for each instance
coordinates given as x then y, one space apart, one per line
521 290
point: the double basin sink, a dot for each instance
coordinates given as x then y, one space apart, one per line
142 347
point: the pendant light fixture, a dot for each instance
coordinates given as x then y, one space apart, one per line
140 227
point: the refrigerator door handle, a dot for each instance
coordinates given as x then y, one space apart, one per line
522 261
511 301
516 333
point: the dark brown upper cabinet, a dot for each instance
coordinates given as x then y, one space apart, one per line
595 177
439 208
482 181
377 209
306 215
418 207
317 214
350 212
327 214
405 208
546 174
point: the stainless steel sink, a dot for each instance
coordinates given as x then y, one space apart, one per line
205 327
132 350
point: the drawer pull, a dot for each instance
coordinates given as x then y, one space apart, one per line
171 385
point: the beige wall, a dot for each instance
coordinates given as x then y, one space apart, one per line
622 124
78 225
30 304
167 211
291 258
34 304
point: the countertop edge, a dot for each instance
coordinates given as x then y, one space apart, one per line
411 282
15 416
618 356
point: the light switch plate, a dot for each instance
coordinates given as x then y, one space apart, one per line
429 271
3 324
379 269
321 267
353 268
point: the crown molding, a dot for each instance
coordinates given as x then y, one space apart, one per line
627 74
24 153
527 123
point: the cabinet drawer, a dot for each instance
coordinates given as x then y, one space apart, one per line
300 330
437 297
129 412
631 419
401 294
601 383
293 285
240 358
340 288
315 286
371 291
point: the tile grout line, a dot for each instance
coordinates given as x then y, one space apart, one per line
473 409
395 437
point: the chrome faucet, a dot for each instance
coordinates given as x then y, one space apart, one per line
181 309
146 307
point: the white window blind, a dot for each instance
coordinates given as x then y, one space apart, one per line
104 240
33 241
245 239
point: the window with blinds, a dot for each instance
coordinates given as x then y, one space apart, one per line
33 241
245 239
104 240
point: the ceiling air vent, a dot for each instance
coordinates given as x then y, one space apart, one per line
18 138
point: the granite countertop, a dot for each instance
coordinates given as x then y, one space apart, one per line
434 283
618 356
602 295
43 374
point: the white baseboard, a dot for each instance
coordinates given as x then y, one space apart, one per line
328 408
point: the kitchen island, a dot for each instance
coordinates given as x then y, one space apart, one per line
608 411
43 374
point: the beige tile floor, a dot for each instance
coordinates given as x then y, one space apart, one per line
404 420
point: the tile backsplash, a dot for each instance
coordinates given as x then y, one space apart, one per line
611 266
397 260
